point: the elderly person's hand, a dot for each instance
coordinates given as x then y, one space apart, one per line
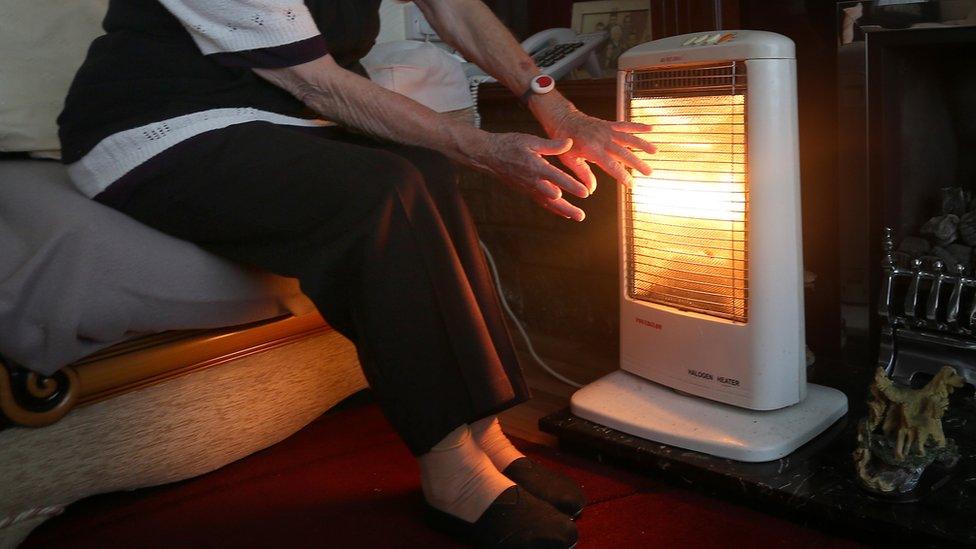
344 97
578 139
605 143
518 159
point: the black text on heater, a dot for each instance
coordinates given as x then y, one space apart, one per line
732 382
702 375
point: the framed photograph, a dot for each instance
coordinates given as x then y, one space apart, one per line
627 21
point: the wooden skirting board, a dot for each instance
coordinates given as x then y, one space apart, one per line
28 399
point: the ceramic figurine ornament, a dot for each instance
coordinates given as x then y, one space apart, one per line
902 434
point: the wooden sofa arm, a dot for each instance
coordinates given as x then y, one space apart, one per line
28 399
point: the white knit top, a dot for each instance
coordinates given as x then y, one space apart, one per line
237 28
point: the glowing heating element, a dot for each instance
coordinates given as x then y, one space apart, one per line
688 220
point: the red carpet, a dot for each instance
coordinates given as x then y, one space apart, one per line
347 481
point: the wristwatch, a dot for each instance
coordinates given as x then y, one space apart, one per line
540 85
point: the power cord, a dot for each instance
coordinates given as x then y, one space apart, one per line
518 323
474 85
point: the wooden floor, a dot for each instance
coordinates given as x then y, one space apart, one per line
550 394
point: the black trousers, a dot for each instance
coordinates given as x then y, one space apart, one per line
380 240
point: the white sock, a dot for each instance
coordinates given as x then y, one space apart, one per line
487 432
458 478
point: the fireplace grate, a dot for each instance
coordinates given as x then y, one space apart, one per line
929 317
926 297
686 224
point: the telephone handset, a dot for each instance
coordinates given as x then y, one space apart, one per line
547 38
557 52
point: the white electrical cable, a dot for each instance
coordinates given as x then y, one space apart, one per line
518 324
474 85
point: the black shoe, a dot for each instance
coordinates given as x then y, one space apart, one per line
547 485
515 520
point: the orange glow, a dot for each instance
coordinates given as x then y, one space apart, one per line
688 218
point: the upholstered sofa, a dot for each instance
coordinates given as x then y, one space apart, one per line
100 390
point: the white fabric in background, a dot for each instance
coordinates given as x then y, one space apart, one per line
421 71
392 21
42 44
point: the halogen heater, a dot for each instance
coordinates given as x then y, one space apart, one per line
712 346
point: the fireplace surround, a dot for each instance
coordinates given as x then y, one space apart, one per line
906 131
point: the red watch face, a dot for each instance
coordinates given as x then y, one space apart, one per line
544 81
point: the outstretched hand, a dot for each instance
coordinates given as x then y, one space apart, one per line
605 143
518 159
577 140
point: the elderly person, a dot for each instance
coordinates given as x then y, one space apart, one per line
245 126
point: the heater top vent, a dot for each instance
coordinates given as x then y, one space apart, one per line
673 50
719 79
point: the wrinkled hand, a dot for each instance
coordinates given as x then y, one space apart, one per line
605 143
518 160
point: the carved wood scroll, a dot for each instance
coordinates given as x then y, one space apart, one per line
28 399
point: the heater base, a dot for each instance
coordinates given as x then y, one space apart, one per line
639 407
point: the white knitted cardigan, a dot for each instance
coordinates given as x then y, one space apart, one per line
217 27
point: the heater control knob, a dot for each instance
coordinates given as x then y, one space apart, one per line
708 39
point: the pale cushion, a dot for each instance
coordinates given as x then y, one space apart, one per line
421 71
43 42
77 276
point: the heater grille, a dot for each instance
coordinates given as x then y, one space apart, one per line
686 224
